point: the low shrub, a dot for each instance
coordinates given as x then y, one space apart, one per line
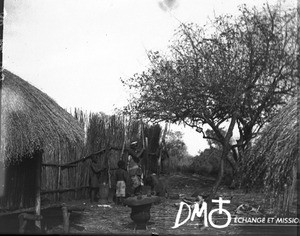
208 162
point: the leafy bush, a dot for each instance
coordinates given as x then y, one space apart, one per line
208 162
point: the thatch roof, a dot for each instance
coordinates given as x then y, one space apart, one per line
31 121
272 158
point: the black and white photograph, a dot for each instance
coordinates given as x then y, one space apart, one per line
149 117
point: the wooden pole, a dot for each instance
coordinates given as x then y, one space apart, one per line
66 218
58 177
121 157
76 182
145 154
39 156
32 209
23 218
146 170
22 224
108 164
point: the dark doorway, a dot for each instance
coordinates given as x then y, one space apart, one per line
20 181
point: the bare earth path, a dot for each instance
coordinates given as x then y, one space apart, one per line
115 219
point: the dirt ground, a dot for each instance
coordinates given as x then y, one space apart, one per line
115 219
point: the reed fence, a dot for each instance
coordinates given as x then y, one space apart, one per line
107 137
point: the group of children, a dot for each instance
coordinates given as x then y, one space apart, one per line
131 183
129 180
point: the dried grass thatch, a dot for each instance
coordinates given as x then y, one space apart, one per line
31 121
272 161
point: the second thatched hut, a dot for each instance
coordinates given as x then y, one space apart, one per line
272 161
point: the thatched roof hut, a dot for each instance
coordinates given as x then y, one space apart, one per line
31 120
272 161
32 123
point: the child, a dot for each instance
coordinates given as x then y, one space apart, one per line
137 181
122 179
93 178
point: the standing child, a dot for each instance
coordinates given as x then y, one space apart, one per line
122 179
94 178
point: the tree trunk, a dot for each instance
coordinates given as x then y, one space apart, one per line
214 189
232 163
235 154
237 177
220 174
226 148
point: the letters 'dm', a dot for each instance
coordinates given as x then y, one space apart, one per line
203 211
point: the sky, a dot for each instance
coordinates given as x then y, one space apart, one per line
76 51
